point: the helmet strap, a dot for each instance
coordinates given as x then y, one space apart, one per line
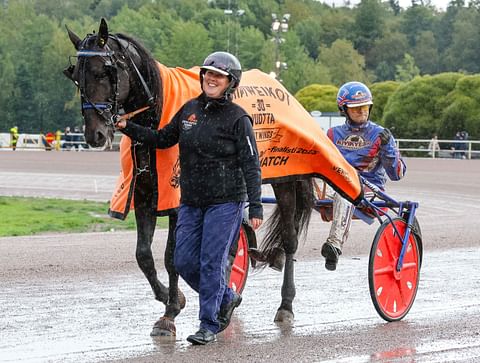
230 89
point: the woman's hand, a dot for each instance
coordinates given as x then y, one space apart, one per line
255 222
121 124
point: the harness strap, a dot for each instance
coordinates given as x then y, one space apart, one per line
150 98
94 53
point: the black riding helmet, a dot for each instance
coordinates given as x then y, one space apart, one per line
226 64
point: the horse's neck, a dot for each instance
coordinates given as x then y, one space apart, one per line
139 99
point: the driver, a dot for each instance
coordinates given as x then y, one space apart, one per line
368 147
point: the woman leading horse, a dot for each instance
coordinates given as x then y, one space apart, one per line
220 166
118 79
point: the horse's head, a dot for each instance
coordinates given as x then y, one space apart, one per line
107 73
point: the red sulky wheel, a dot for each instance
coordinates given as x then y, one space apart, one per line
241 263
392 292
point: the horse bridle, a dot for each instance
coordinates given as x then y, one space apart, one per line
111 62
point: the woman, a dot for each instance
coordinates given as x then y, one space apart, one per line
219 170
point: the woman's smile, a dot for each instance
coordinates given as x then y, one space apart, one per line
214 84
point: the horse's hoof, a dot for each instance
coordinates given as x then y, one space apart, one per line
283 316
164 327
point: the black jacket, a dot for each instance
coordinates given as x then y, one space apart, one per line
218 153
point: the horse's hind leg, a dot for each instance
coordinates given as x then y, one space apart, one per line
286 202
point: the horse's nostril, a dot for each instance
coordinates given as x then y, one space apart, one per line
100 139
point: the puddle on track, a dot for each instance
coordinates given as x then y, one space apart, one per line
72 319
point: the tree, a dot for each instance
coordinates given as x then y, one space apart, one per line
425 53
31 34
369 24
444 27
321 97
189 45
395 6
461 109
310 33
381 92
407 70
416 19
149 25
385 55
343 62
220 34
7 92
336 24
258 13
464 52
302 70
415 109
251 43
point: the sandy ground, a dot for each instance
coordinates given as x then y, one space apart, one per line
81 297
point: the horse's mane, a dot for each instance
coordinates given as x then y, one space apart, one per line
150 69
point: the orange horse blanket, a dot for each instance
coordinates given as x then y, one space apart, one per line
291 144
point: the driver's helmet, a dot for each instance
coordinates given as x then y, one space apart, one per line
353 94
226 64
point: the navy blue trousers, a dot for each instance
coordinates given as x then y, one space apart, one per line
204 236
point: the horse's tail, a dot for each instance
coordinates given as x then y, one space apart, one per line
272 243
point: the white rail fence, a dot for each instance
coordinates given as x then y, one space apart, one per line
72 141
461 149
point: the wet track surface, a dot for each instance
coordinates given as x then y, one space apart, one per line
74 319
81 297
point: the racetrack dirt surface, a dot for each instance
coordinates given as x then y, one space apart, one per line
82 298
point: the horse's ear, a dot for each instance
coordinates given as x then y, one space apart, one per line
74 38
102 36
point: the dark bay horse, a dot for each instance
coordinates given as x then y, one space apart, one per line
117 76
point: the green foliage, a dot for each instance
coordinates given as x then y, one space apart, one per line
343 62
323 45
251 45
386 53
27 216
426 54
461 108
417 19
302 70
381 93
310 32
415 109
147 25
464 50
369 24
189 44
407 70
318 97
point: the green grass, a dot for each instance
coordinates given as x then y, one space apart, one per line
28 216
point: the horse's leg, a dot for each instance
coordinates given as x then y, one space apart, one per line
146 220
286 201
165 326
